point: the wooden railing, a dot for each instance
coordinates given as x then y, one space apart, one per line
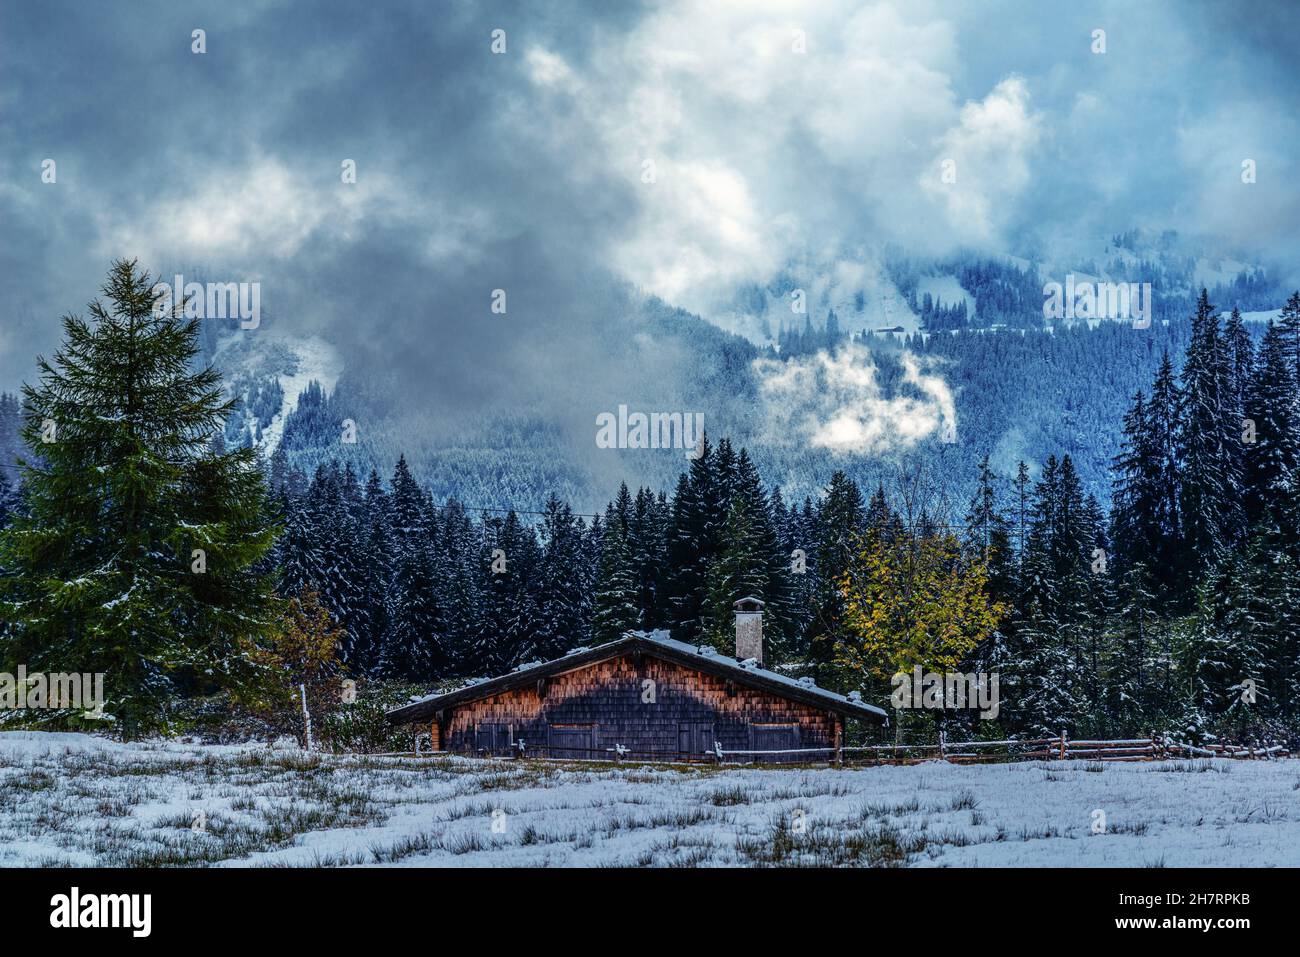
1059 748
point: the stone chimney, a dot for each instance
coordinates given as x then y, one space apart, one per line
749 629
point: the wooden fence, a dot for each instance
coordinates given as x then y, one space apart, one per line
1059 748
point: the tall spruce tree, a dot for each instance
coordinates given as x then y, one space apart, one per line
135 553
1046 688
692 545
567 583
1289 325
749 563
413 645
1210 446
1162 421
988 535
509 607
1241 356
462 560
376 575
1135 502
1133 666
297 553
615 612
648 534
1272 430
839 527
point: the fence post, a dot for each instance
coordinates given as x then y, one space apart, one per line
1063 755
943 754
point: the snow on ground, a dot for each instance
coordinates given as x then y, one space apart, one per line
883 307
947 290
1220 270
1263 316
75 799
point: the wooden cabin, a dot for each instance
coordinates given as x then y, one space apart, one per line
645 697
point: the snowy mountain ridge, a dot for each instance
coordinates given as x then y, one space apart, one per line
261 369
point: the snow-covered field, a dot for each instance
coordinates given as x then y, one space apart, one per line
78 800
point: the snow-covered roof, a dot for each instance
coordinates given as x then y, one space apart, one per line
749 668
700 657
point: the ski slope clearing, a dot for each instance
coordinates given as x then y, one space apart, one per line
79 800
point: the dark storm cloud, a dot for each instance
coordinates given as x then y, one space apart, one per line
460 194
478 172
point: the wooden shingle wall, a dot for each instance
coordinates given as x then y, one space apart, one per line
643 703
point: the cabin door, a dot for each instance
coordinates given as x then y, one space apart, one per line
695 738
573 741
492 738
780 741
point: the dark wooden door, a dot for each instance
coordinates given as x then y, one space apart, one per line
573 741
492 738
774 737
695 738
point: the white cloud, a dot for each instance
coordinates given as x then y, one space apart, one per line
546 68
261 209
701 230
989 149
765 154
835 401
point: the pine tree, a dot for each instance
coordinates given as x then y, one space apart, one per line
406 505
1241 357
1210 446
1227 649
566 587
1099 603
462 558
9 503
1289 325
1272 431
692 545
376 576
509 606
615 611
740 570
988 535
648 531
1162 422
755 565
1133 659
1048 688
413 645
1135 503
331 505
135 552
839 524
1021 493
799 556
297 553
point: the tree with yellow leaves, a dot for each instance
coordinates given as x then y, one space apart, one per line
912 600
302 666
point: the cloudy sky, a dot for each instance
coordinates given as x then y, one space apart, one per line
686 147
